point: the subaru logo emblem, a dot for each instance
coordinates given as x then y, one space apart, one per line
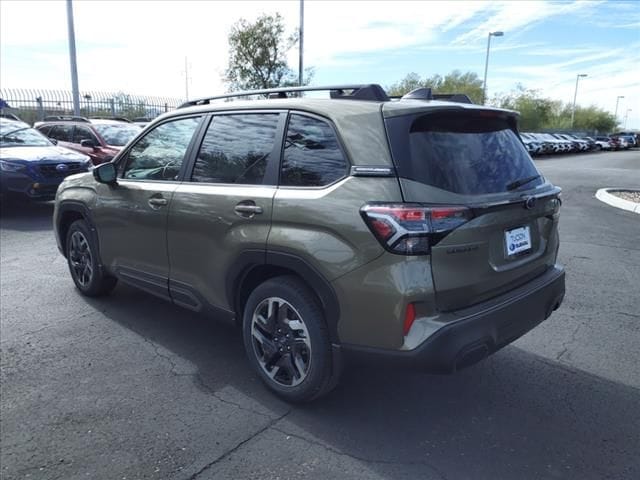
61 167
529 203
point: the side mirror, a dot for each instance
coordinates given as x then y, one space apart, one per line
88 144
106 173
53 140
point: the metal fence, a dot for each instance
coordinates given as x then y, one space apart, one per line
34 105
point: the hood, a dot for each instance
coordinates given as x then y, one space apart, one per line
36 154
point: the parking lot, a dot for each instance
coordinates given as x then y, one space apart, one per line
128 387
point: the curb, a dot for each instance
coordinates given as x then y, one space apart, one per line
604 196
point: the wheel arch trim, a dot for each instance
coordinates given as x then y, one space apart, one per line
248 260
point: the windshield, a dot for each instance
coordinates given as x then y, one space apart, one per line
22 137
461 153
117 135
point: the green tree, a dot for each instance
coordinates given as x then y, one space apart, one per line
539 113
257 55
536 113
408 83
454 82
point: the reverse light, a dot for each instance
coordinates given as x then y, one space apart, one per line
412 229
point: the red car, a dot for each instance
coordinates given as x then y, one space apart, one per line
101 139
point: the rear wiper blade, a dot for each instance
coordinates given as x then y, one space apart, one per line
521 182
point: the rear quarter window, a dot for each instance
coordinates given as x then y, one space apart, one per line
461 152
312 154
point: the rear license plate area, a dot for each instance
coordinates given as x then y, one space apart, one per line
517 241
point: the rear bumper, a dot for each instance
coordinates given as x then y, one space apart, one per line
469 335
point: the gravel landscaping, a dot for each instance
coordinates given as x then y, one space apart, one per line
630 195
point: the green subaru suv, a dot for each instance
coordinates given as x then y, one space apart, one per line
416 228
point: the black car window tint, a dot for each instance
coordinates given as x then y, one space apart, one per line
62 133
83 133
236 149
312 155
160 153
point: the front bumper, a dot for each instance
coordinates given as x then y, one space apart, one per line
469 335
30 186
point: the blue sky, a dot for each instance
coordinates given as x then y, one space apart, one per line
140 47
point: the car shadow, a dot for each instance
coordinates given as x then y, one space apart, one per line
24 215
515 415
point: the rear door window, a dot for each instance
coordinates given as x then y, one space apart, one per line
465 153
236 149
83 133
312 154
62 133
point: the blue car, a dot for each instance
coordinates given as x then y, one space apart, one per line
31 165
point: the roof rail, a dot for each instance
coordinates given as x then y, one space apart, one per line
65 118
119 119
372 92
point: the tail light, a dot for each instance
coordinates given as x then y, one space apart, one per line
412 228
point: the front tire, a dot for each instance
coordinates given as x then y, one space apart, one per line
287 340
82 257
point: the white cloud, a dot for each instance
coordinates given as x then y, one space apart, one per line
514 16
140 46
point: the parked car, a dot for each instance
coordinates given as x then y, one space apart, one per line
418 230
623 141
631 137
101 139
559 145
605 142
31 165
546 145
534 146
600 143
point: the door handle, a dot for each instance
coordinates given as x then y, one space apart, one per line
247 210
157 202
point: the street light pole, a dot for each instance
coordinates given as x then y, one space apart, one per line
486 64
617 100
575 95
72 59
626 115
301 40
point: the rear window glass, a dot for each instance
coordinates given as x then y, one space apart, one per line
461 153
117 135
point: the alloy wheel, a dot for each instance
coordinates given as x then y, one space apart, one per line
281 342
81 259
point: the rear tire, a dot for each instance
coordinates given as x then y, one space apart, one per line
287 340
82 257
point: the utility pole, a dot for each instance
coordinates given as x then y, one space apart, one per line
575 95
616 114
72 59
301 45
186 79
486 64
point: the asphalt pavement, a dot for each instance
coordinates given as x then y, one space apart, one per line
130 387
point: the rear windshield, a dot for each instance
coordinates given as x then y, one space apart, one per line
116 134
463 153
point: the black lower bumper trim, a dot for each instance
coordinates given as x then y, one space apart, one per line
486 329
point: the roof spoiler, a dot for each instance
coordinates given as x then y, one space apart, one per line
425 93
